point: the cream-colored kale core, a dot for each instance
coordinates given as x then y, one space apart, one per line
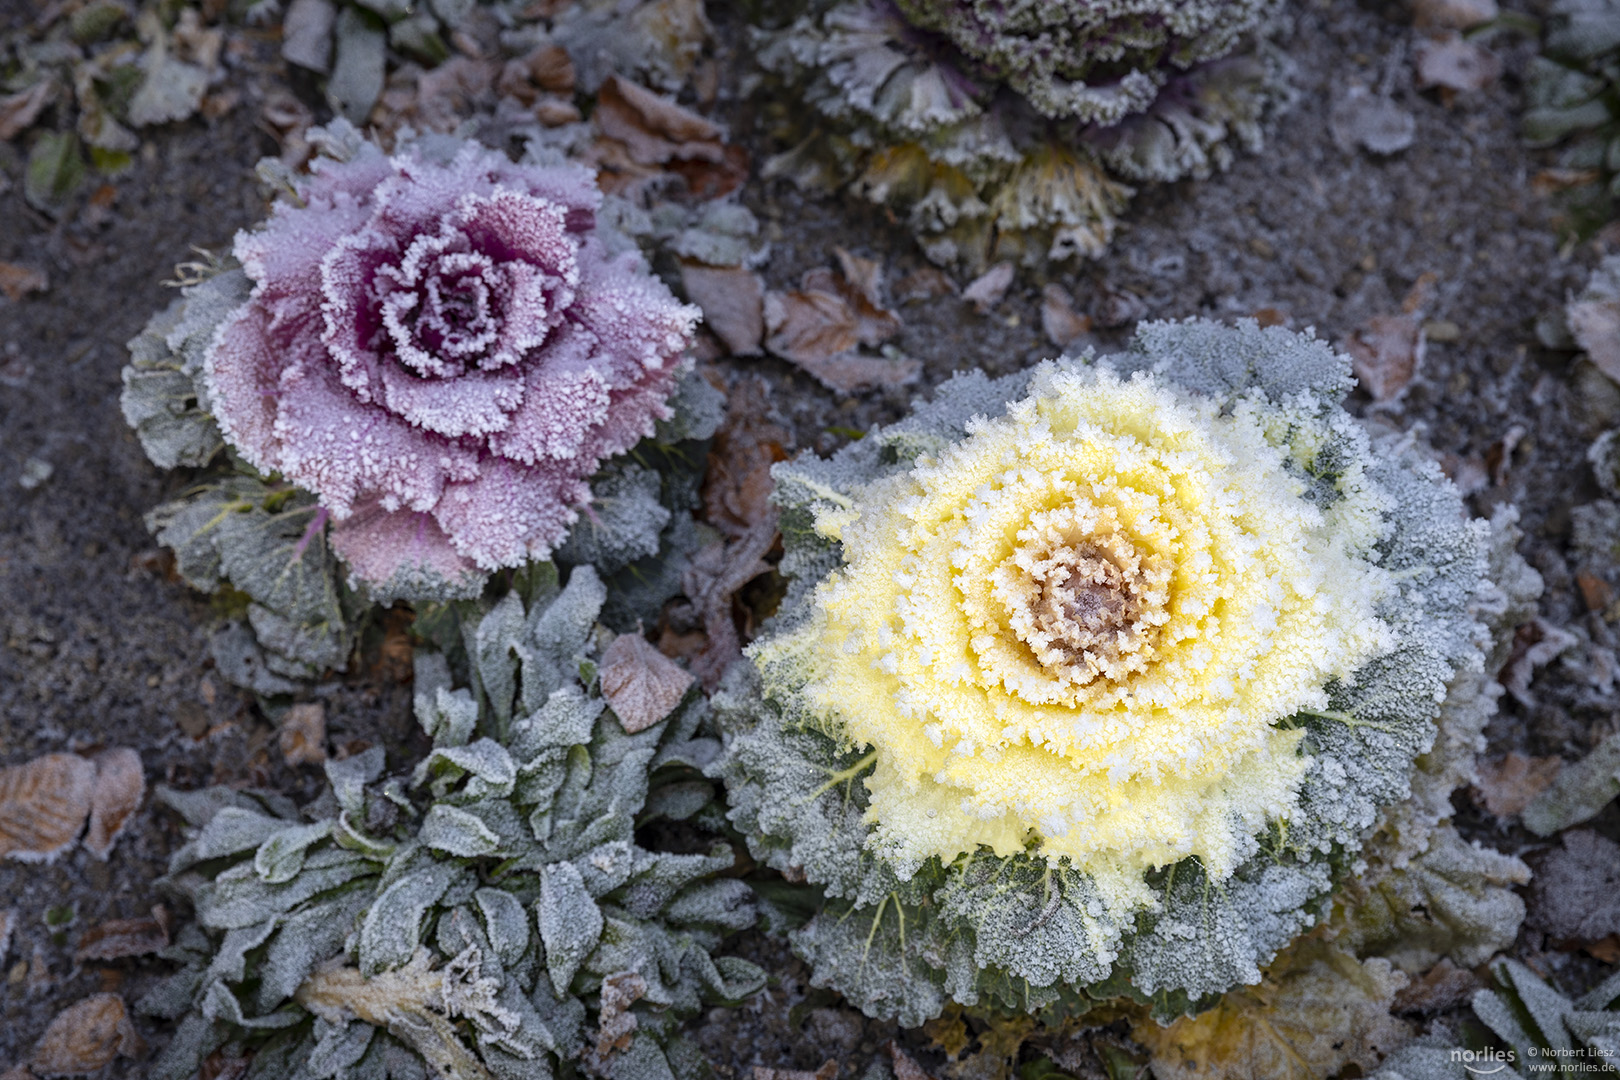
1078 631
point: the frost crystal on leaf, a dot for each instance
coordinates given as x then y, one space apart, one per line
440 347
998 725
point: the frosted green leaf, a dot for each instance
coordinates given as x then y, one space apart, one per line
623 522
358 66
220 1004
281 855
306 938
350 776
230 960
566 719
239 898
337 1048
393 926
486 761
505 923
234 829
448 716
554 643
457 832
490 648
570 922
193 1040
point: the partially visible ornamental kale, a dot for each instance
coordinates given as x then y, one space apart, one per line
492 915
1089 679
440 347
1012 130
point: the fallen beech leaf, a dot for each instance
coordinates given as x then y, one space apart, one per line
828 1071
1595 592
1440 988
641 684
86 1037
737 486
1318 1010
19 111
1606 950
733 303
864 275
118 938
1059 319
18 281
120 787
714 576
1445 59
1575 894
546 68
302 734
1507 786
43 805
985 291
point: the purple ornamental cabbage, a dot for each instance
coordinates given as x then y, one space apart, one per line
443 353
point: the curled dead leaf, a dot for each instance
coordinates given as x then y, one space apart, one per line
1386 353
641 684
302 734
86 1037
733 303
118 938
1442 987
646 137
924 284
822 324
1507 786
120 787
43 804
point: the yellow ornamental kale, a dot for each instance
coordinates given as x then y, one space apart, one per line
1091 678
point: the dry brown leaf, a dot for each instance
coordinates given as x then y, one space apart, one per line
737 486
1596 327
646 136
19 111
1061 322
1457 14
43 805
641 684
986 291
545 69
86 1037
828 1071
120 787
1506 787
1444 59
302 734
1442 987
714 576
1385 355
733 303
618 1023
1595 592
18 281
118 938
1318 1010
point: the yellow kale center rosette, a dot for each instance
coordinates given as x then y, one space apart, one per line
1075 631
